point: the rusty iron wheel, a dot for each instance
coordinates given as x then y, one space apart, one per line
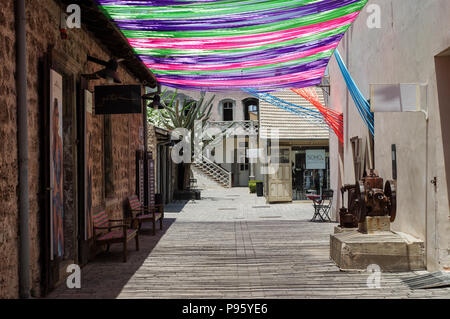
390 190
361 207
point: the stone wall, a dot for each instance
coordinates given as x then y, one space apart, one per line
43 18
8 156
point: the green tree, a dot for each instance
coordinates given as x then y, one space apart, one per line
181 112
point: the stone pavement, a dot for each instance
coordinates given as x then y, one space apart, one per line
231 244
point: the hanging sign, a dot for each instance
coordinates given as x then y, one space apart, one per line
403 97
118 99
315 159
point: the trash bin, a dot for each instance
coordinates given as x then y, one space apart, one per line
260 189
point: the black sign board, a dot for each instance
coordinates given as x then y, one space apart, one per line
118 99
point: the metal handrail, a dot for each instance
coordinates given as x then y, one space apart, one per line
225 174
224 125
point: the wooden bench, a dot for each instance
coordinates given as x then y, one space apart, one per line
111 231
146 214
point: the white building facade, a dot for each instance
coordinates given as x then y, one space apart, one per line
411 44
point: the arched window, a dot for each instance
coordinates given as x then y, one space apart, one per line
251 105
227 110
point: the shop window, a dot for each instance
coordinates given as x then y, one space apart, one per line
244 166
284 156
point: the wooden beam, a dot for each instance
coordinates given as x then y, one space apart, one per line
113 39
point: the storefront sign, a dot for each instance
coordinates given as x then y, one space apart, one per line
118 99
315 159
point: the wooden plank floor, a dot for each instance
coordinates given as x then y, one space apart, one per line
206 252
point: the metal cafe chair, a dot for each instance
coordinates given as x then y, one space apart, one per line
322 206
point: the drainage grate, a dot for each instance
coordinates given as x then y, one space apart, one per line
265 206
432 280
231 208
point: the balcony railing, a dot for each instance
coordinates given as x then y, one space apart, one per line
249 127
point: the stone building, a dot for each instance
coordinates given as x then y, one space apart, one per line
410 45
232 111
300 138
115 138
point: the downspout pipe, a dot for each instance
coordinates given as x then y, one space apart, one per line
22 137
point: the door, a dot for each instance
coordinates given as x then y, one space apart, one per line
280 179
243 164
59 220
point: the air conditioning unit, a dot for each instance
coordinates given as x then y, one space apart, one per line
403 97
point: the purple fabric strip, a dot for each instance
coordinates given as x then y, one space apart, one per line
261 88
250 75
150 2
232 21
240 57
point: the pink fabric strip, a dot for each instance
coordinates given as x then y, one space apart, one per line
247 64
241 41
290 78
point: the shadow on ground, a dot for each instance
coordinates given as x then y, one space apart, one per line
108 271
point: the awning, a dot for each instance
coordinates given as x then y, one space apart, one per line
291 126
108 34
233 44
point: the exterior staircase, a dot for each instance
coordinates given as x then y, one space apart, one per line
214 172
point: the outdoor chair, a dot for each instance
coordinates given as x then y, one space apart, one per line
322 206
106 232
142 214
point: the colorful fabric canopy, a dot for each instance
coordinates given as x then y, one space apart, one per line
231 44
304 112
334 119
362 105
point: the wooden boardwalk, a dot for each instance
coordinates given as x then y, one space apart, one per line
242 252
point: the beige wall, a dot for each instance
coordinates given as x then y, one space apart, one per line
403 50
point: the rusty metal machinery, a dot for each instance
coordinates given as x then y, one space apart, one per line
368 198
347 216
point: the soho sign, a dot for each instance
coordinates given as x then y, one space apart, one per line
315 159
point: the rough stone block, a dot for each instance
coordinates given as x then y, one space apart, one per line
391 251
375 224
338 229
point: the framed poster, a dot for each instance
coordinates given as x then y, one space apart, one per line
315 159
56 166
88 165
